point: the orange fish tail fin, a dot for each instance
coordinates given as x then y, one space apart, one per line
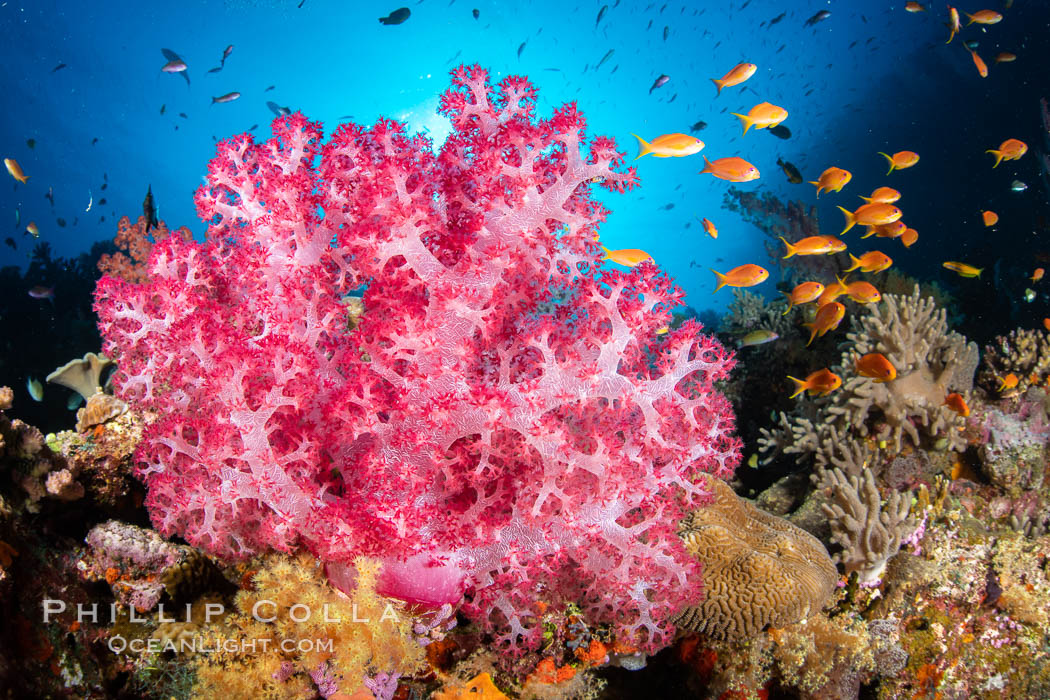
791 303
790 248
979 271
707 166
745 120
850 221
643 146
718 84
856 263
812 332
888 157
722 280
608 253
819 187
998 156
800 386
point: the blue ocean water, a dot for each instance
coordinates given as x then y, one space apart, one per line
88 106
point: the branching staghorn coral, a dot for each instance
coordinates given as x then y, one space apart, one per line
869 532
849 427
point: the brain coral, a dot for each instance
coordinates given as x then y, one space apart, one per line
759 569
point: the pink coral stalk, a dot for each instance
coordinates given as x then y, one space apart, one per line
505 403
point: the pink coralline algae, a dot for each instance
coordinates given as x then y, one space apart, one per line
504 406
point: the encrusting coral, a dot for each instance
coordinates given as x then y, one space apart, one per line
759 570
868 531
931 362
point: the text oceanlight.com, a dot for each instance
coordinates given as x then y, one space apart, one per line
262 611
118 645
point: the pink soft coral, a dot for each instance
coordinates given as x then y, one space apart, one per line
504 403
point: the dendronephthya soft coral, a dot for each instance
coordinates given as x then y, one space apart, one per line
505 405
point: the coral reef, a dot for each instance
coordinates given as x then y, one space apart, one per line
561 446
759 570
336 641
1022 352
134 243
868 530
864 419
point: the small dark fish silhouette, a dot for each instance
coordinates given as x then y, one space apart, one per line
606 57
31 143
475 13
819 17
667 32
149 209
104 185
94 141
699 126
162 108
660 82
777 19
780 131
269 88
183 115
11 242
50 196
59 67
793 175
601 13
253 127
102 201
668 207
215 70
61 222
522 47
397 16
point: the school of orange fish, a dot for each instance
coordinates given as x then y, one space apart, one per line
879 214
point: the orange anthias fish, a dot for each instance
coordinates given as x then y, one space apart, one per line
953 23
732 169
982 67
1007 382
1046 323
831 293
900 160
828 318
738 74
875 366
894 229
832 180
669 146
33 230
863 292
762 116
1005 57
1010 149
990 218
15 169
822 382
909 237
803 294
874 214
958 404
710 228
912 6
984 17
1037 275
872 261
629 257
814 245
744 276
886 195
